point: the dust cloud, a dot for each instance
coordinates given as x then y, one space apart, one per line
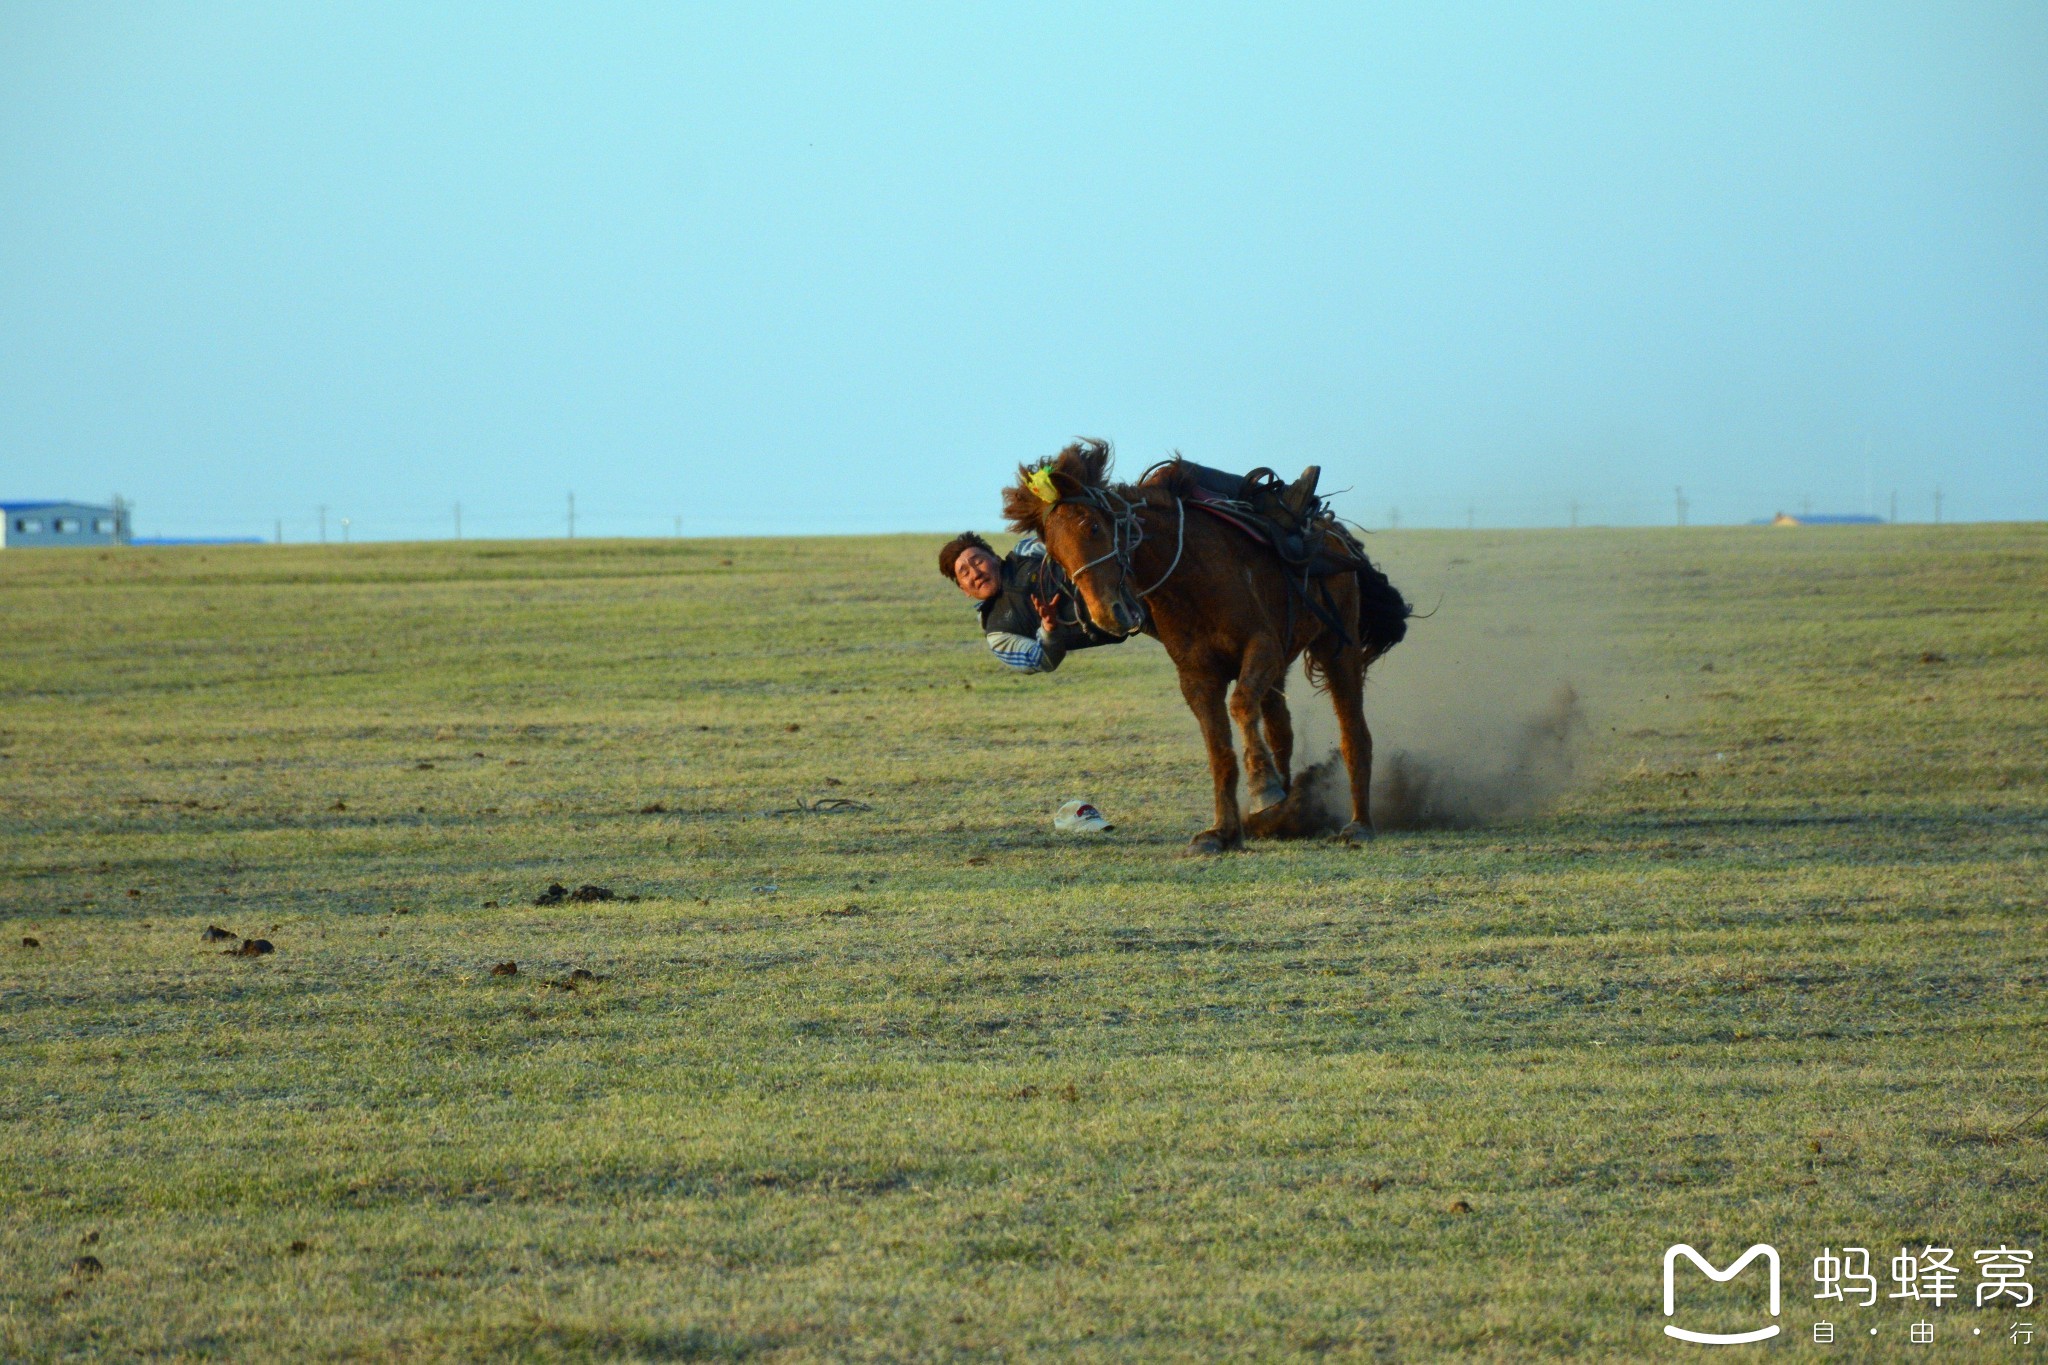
1483 770
1481 716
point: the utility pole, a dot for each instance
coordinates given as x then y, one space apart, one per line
679 528
458 521
1895 506
1393 518
1937 504
280 530
323 523
572 516
344 530
1679 499
1575 514
1471 515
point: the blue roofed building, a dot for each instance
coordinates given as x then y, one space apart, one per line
1822 519
37 525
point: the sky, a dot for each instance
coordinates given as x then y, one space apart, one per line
754 269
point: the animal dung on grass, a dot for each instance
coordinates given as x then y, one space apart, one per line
505 969
253 947
557 893
215 934
28 942
86 1266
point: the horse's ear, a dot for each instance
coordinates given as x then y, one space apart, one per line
1067 483
1095 457
1086 460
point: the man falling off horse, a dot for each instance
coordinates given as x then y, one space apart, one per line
1018 599
1236 577
1025 603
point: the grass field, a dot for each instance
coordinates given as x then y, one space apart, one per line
929 1082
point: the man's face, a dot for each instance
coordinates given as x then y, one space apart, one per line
979 573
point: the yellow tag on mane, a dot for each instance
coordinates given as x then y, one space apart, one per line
1040 483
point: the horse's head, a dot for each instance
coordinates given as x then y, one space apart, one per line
1068 505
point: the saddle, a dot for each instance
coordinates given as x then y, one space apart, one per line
1288 519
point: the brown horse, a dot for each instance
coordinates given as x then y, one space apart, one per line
1222 604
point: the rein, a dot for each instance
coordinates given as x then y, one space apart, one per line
1127 533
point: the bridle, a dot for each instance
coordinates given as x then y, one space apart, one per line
1127 533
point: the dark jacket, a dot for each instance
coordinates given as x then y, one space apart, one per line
1011 623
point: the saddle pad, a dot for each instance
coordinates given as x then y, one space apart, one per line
1201 498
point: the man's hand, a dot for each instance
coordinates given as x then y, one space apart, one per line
1048 611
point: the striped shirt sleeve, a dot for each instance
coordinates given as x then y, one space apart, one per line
1026 653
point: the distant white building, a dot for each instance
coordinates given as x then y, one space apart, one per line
29 525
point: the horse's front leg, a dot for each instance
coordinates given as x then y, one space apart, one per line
1204 692
1259 678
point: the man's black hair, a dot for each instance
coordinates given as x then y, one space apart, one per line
949 553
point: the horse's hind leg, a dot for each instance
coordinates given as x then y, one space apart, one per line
1259 678
1345 670
1279 725
1204 693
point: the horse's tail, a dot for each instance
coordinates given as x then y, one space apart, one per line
1382 612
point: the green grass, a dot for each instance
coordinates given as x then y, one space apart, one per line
1772 970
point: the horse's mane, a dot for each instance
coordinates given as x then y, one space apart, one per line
1082 465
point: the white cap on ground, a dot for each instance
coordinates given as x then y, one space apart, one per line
1078 817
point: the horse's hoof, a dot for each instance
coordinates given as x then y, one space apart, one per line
1356 834
1209 841
1267 797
